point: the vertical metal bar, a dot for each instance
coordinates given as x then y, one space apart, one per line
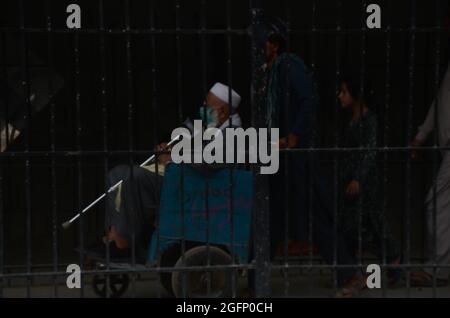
183 231
52 147
103 102
260 211
412 49
336 141
76 54
362 90
435 151
155 121
154 72
287 160
180 114
130 131
204 81
2 236
310 192
5 76
2 206
26 89
387 97
231 181
179 62
29 227
2 202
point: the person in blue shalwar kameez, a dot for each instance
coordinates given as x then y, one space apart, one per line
298 187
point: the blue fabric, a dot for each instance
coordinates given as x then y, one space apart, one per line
196 219
298 188
291 98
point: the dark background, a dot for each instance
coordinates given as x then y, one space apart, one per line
156 102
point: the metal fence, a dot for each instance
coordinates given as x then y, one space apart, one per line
84 100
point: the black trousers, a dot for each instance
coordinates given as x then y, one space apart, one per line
309 209
139 201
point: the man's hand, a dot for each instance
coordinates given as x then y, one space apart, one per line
414 152
163 158
353 188
291 142
282 143
7 136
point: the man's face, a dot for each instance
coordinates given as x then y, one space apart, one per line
271 51
221 108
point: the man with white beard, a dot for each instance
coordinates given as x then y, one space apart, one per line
131 207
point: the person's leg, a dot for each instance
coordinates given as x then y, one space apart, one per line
276 209
327 243
442 244
333 247
276 229
115 219
134 214
140 201
378 240
324 237
376 237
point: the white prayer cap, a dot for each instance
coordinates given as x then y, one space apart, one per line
221 91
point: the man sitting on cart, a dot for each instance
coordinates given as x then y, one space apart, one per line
131 209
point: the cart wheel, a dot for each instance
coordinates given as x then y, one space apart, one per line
118 284
197 281
168 259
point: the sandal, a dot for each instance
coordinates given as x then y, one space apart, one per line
353 288
395 275
424 279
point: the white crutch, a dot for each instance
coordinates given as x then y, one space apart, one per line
67 224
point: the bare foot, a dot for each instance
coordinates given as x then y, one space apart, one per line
121 243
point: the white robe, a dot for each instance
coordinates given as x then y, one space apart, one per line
442 102
442 182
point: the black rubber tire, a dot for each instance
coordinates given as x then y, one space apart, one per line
118 285
168 259
196 281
